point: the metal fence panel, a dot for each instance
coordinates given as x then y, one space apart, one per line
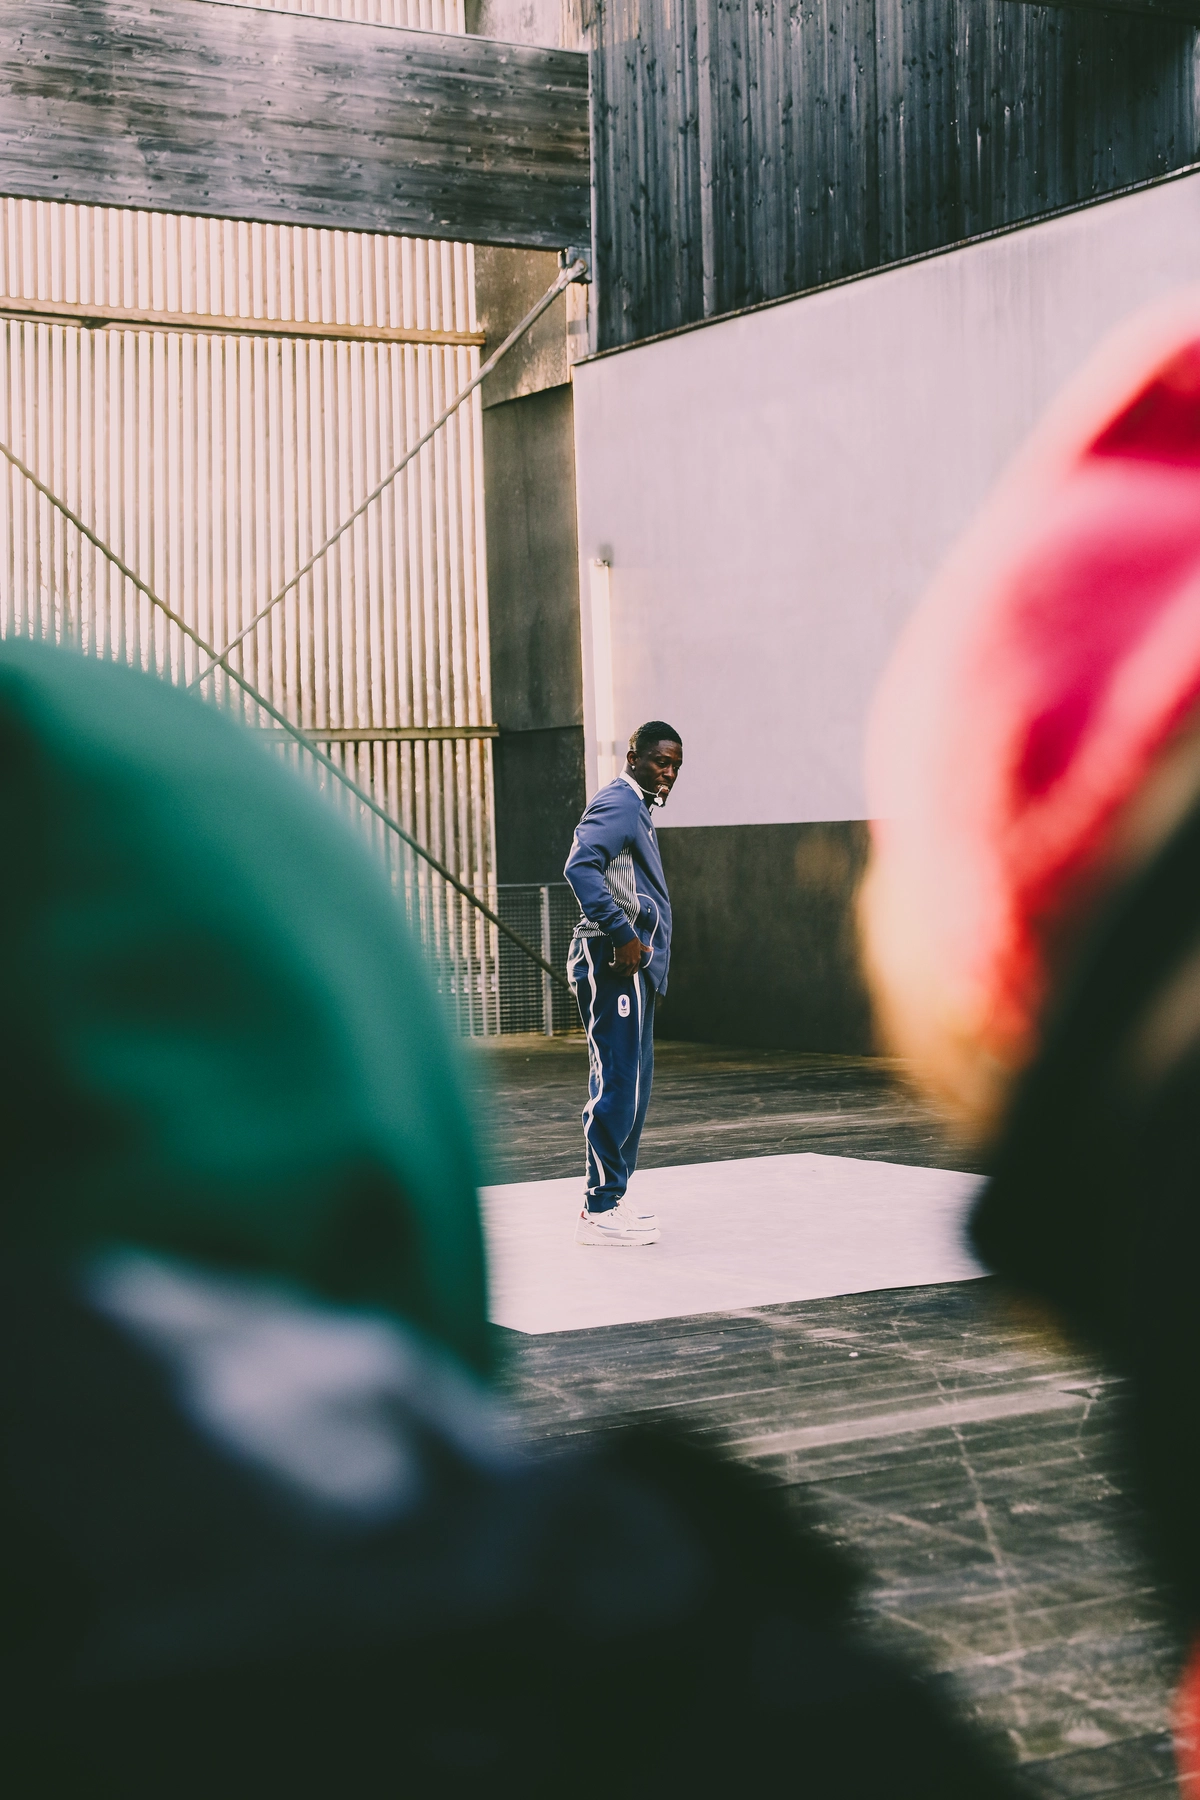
545 916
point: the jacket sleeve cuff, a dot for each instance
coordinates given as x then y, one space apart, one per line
624 934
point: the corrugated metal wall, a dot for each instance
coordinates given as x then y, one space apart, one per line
215 463
745 151
418 15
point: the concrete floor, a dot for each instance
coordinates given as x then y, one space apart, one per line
709 1105
967 1458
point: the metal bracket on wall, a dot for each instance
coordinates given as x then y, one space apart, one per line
577 253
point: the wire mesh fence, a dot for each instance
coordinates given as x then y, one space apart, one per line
527 999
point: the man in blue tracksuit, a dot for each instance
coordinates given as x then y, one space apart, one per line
617 963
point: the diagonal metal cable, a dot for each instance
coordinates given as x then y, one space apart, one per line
294 731
574 272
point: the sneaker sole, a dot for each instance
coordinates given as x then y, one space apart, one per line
616 1243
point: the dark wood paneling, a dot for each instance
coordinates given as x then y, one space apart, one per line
749 149
1145 9
236 112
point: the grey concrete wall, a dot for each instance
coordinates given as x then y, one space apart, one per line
764 949
508 284
533 564
533 606
539 797
557 24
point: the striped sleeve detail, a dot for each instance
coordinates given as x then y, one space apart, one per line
619 879
620 882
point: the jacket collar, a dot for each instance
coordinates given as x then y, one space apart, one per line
639 791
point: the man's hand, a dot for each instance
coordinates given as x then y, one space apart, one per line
627 958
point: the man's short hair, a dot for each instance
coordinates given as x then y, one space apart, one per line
654 731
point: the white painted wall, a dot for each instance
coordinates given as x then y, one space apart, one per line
774 491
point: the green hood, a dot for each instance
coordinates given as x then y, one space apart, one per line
216 1036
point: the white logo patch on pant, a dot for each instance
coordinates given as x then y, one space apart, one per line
623 1005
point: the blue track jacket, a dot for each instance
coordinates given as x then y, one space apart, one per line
616 873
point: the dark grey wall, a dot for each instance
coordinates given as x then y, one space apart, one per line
539 782
533 606
749 149
764 948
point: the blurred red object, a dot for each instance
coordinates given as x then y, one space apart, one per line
1187 1726
1036 686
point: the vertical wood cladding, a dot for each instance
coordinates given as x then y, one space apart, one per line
748 149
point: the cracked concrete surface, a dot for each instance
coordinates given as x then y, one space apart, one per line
998 1536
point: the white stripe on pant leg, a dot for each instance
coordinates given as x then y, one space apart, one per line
637 1079
589 1110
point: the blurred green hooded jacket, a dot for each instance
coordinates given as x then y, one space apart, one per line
216 1036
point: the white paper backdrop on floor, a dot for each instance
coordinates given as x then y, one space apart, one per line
756 1232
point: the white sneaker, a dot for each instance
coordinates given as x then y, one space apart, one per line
648 1221
617 1226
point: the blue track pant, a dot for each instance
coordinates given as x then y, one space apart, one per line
618 1016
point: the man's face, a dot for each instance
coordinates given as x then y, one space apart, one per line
655 770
